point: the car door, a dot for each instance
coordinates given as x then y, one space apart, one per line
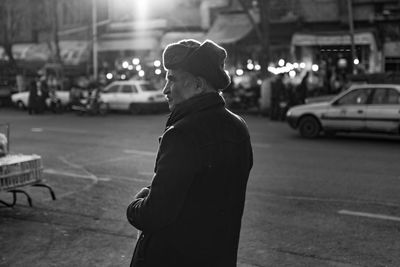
383 114
127 95
348 112
110 96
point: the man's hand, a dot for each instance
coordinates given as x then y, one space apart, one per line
142 193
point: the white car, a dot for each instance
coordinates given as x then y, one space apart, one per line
135 96
361 108
21 99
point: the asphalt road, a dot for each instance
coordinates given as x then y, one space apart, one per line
323 202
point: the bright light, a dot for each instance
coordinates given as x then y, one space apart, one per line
130 67
123 76
292 74
239 72
315 67
135 61
356 61
157 71
157 63
281 62
257 67
109 76
302 65
295 65
141 73
141 9
250 66
125 64
138 67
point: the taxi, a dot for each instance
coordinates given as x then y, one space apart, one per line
373 108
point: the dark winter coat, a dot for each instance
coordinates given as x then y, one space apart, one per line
192 216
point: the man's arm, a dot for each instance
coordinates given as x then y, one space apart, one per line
176 168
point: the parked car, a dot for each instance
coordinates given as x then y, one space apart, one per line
21 99
135 96
361 108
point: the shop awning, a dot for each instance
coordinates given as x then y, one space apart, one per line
72 52
305 39
173 37
75 52
140 43
229 28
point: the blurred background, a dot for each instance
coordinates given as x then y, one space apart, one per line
319 45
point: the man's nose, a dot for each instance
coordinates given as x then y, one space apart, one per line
165 89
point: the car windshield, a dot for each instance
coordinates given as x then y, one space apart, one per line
148 87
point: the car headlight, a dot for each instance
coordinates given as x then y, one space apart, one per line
289 113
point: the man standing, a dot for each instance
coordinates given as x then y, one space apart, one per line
191 213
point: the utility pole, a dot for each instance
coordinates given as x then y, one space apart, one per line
94 39
264 6
351 27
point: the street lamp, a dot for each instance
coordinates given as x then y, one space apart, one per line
94 40
351 27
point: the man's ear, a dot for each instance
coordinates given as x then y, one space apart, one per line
201 84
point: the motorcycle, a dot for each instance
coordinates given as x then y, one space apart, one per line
90 104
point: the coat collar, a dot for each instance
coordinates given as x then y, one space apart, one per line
194 105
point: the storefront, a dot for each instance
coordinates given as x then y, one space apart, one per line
335 49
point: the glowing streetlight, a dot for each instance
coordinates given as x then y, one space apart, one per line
125 64
315 67
157 71
109 76
141 73
135 61
157 63
356 61
239 72
138 68
281 62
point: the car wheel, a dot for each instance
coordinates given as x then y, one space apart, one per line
309 127
21 105
135 109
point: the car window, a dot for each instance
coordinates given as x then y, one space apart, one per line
385 96
355 97
112 89
393 97
129 89
380 96
148 87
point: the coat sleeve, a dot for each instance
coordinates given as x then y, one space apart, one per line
176 167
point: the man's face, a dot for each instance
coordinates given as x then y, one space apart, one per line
180 86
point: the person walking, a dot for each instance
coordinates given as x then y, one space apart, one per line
33 98
191 213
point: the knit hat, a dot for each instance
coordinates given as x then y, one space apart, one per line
205 59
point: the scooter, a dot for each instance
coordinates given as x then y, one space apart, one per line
91 104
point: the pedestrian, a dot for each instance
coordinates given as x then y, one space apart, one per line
191 213
33 98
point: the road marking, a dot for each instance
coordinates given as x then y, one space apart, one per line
94 178
71 174
140 152
61 130
37 130
261 145
317 199
369 215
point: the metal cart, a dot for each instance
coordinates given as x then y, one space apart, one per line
18 171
